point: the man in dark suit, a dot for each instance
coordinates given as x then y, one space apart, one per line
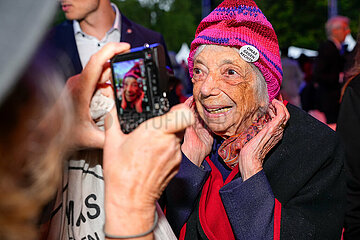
90 25
329 67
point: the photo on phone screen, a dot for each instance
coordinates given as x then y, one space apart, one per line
130 84
140 85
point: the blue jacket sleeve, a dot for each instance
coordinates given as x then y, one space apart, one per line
183 191
250 207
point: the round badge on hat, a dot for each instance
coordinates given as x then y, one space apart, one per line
249 53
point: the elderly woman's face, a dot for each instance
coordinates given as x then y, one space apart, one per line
224 90
132 89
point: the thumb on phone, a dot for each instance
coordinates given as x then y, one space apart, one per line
179 118
114 137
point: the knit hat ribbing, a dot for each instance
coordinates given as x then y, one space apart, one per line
237 23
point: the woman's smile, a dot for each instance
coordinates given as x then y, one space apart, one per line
216 110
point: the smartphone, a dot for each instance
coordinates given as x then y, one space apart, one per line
140 83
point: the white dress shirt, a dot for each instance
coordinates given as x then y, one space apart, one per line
88 45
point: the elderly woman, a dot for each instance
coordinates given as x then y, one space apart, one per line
252 167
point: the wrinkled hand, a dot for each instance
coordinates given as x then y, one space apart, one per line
81 88
138 166
198 139
253 153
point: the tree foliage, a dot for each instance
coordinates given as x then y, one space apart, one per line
296 22
177 24
302 22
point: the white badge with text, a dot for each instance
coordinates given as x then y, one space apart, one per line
249 53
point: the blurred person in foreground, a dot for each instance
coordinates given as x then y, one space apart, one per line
329 67
348 127
252 167
41 122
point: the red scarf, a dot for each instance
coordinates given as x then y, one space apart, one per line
231 147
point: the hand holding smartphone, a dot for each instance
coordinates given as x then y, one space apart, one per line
140 82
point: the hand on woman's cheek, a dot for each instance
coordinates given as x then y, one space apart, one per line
253 153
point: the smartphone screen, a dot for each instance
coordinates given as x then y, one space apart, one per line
131 86
140 81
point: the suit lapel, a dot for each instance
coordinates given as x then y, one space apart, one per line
68 39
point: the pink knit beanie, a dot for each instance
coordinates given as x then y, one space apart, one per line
134 72
241 24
